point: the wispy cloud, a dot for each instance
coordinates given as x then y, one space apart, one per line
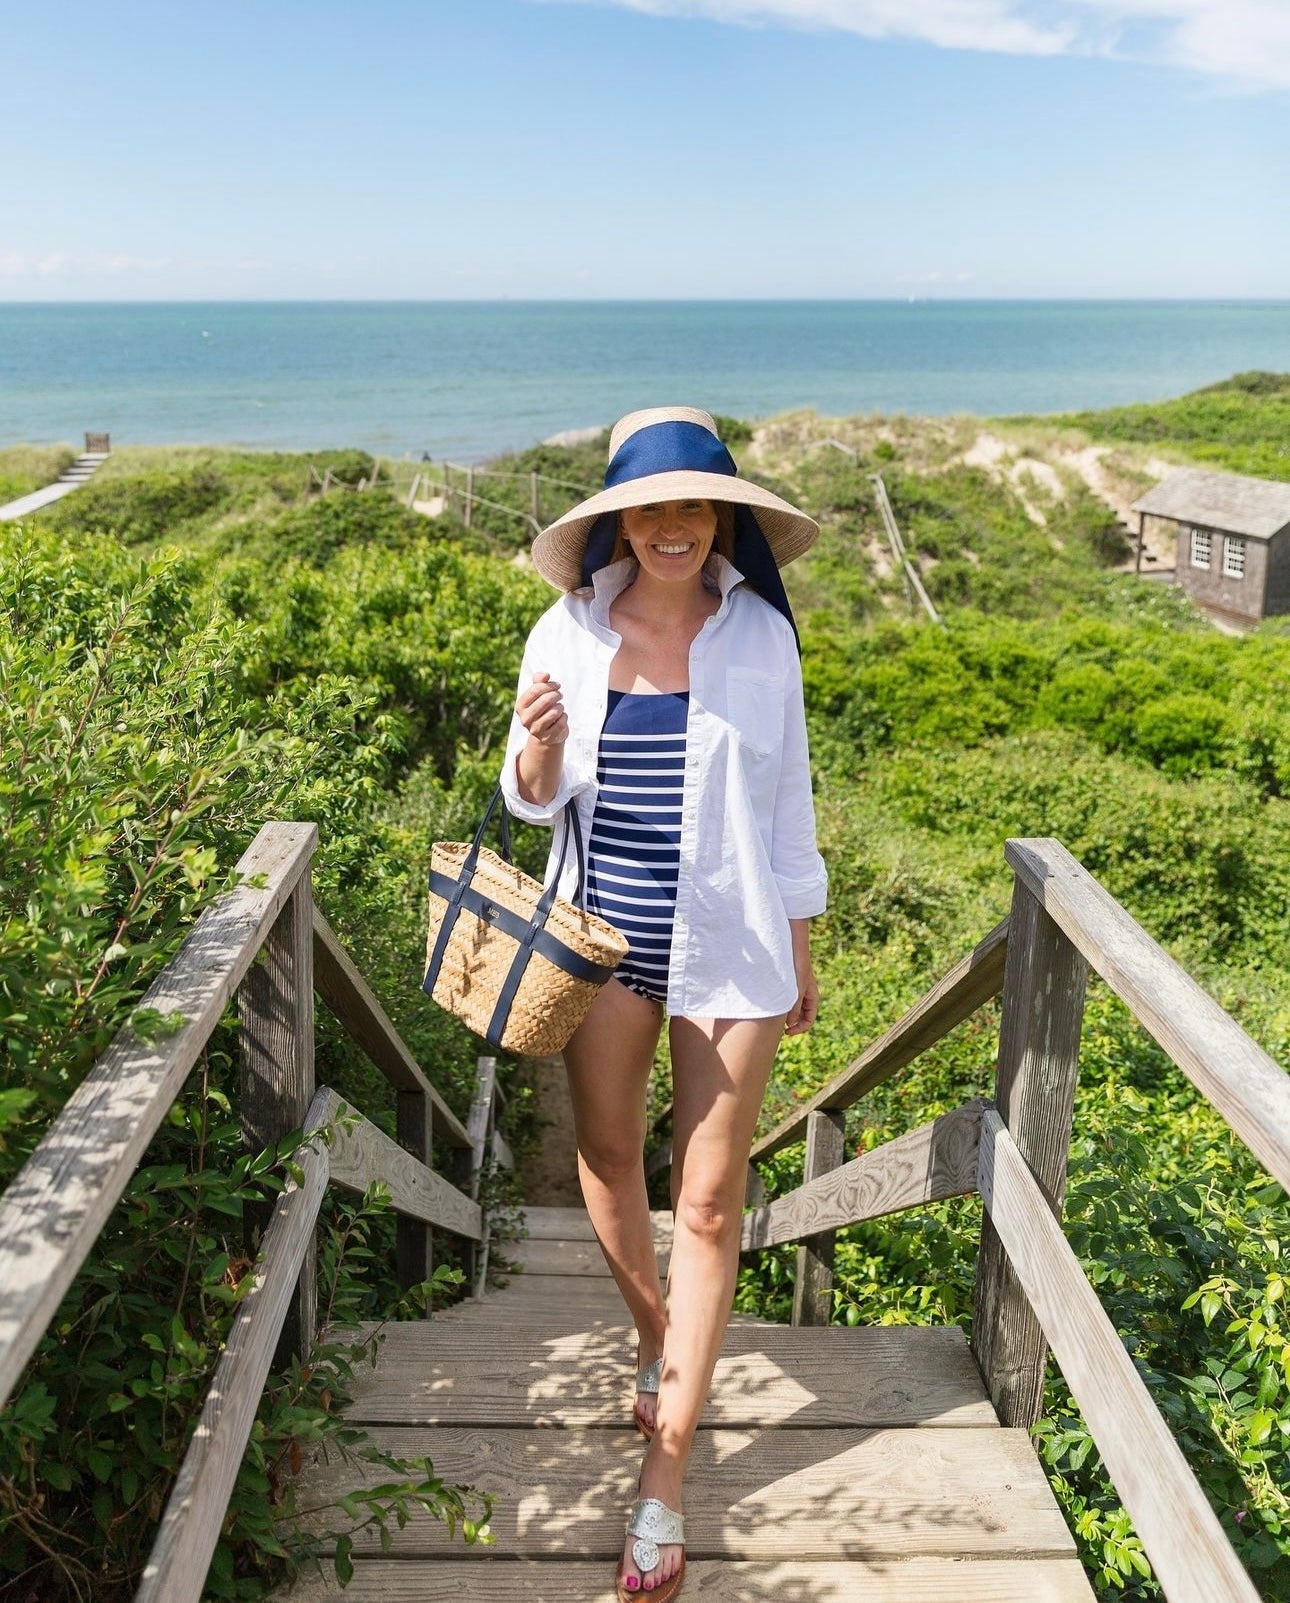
1246 42
63 264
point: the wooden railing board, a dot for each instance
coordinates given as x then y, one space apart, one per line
1038 1065
499 1149
972 981
363 1154
52 1212
413 1238
478 1123
356 1008
479 1119
1192 1557
194 1514
1234 1073
658 1160
926 1165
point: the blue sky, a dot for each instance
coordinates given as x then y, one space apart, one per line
646 148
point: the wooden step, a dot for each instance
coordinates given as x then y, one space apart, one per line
536 1257
805 1494
573 1224
571 1301
436 1373
915 1580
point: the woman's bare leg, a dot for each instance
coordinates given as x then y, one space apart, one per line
608 1061
719 1072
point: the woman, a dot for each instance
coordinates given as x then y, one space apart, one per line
663 694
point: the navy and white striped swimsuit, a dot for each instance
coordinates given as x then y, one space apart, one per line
635 844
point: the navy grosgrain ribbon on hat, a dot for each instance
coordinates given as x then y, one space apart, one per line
669 448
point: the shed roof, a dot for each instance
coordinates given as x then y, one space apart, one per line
1230 501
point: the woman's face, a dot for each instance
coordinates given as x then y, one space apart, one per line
670 539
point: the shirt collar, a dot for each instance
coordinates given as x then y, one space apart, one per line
609 582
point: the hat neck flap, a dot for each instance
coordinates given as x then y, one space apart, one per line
753 558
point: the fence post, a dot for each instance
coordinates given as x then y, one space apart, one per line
470 490
813 1281
533 497
478 1128
275 1004
1043 1008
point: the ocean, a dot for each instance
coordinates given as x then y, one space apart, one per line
465 380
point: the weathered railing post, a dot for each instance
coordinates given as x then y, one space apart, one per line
813 1281
414 1240
1043 1008
275 1004
478 1127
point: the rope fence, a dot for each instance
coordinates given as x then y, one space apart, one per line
455 485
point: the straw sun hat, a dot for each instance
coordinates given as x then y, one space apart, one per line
666 453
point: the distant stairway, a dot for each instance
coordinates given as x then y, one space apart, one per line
71 478
84 468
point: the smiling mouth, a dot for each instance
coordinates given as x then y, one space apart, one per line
674 550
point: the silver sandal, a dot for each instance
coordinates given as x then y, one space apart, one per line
653 1524
648 1381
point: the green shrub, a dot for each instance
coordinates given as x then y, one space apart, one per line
137 759
146 507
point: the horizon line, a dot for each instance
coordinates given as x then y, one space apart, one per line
648 300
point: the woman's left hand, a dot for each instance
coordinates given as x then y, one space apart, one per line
802 1014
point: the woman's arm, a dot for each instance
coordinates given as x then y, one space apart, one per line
535 778
803 1012
539 765
794 858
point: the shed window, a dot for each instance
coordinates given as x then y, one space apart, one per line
1233 557
1200 548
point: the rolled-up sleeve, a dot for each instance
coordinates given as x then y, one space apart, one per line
536 659
795 861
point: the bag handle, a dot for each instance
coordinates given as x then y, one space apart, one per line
533 932
571 827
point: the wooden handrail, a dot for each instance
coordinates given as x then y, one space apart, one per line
190 1526
362 1153
937 1161
1213 1051
1031 1291
1188 1549
972 981
54 1209
348 995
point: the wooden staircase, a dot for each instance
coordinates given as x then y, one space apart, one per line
833 1463
862 1464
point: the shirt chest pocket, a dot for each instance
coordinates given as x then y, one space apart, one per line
755 700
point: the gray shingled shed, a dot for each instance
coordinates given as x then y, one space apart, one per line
1233 539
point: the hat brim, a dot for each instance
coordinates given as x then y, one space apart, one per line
558 551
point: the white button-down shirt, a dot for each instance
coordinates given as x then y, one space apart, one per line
748 857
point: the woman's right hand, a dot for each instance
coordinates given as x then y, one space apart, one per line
540 709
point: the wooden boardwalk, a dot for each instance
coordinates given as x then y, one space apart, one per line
80 472
832 1464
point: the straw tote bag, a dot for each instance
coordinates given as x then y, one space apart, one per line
513 961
